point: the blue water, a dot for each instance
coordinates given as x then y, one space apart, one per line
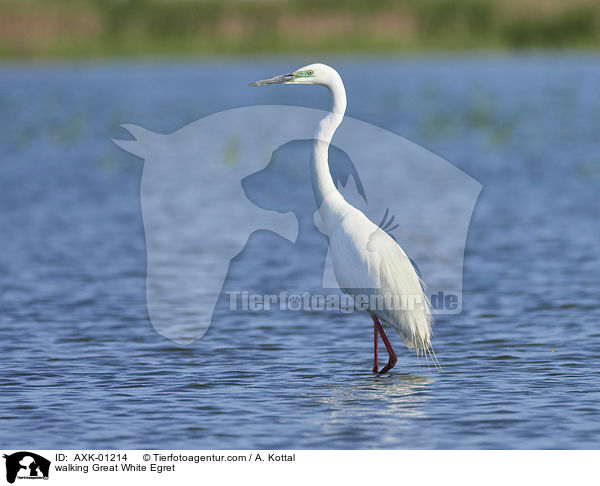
84 368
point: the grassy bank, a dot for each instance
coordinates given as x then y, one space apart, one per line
90 28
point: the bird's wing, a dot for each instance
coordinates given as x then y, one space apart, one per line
410 313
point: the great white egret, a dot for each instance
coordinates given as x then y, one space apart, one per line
368 263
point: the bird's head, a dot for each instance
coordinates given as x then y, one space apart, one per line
312 74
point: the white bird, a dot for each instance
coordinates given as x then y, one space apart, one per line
368 263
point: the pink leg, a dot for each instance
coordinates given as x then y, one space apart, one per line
392 355
375 349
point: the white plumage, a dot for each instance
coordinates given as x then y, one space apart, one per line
368 264
367 261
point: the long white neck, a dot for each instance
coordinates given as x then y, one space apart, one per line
329 201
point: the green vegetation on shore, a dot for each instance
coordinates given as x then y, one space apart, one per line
93 28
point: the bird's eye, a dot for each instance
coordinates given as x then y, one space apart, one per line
311 72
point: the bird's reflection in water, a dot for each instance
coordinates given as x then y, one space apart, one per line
399 399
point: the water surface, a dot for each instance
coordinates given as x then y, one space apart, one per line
83 367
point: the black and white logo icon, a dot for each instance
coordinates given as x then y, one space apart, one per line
26 465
